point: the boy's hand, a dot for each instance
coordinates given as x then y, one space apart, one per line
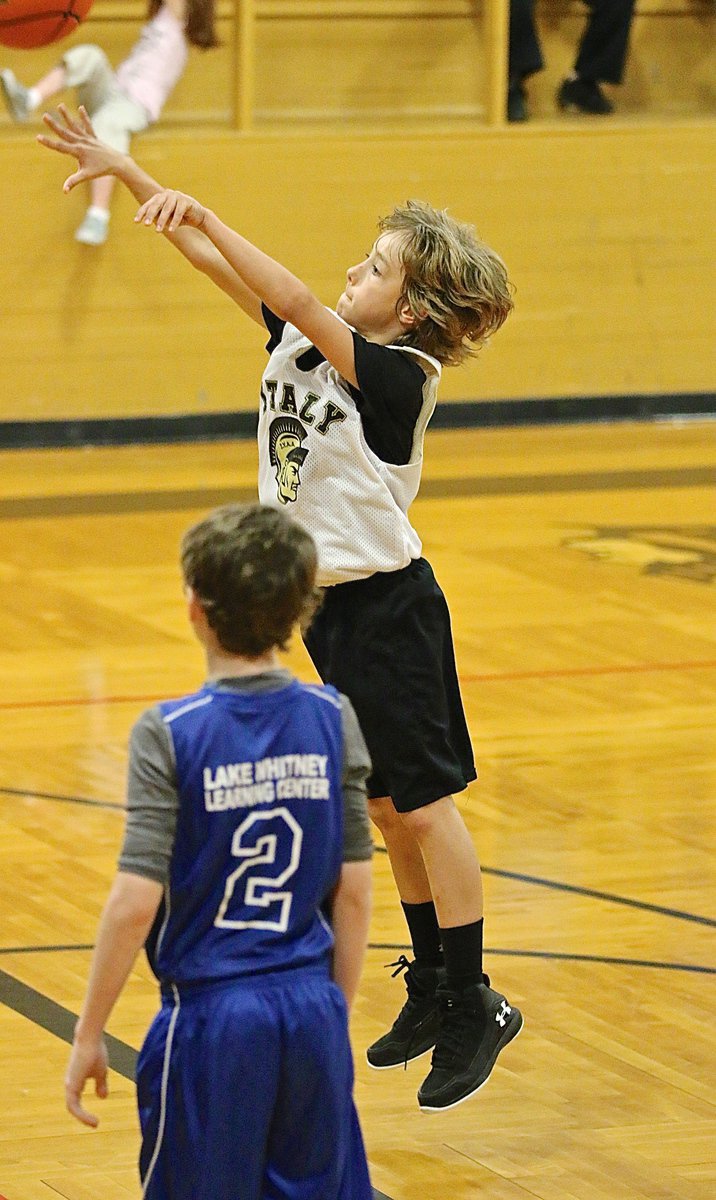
75 136
169 209
88 1060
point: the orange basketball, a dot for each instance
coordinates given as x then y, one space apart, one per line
25 24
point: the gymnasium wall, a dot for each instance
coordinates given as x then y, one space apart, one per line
604 224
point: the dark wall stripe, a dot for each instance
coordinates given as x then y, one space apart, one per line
459 414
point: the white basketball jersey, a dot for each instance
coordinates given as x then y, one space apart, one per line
315 463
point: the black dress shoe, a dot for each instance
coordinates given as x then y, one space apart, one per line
584 95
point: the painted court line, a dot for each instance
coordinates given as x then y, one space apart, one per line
60 1022
559 956
535 880
485 677
576 672
31 794
607 959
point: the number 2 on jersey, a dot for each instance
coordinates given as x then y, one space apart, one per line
246 888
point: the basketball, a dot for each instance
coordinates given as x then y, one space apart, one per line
26 24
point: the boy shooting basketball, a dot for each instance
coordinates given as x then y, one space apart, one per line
246 816
345 401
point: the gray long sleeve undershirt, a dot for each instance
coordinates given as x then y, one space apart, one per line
153 800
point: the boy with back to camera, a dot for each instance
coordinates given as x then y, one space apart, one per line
345 401
246 818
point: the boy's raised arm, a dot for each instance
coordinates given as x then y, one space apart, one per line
284 293
76 137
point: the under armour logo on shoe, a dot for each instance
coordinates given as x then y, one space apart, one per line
503 1013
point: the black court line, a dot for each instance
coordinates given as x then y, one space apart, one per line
593 893
536 880
693 968
115 503
61 1022
561 956
31 794
45 949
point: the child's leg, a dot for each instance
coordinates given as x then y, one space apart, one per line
53 82
89 71
415 1029
404 852
101 191
21 101
450 861
114 123
476 1021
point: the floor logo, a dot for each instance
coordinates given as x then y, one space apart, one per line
687 551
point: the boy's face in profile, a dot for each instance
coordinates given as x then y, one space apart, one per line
373 289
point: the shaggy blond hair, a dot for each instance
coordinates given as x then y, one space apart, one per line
456 286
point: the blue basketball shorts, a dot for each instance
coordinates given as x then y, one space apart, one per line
245 1092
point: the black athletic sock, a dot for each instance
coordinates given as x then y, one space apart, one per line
424 933
462 946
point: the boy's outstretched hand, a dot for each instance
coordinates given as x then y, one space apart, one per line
169 209
76 137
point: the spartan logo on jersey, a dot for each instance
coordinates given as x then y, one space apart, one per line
287 456
687 551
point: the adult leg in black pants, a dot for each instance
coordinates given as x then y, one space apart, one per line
601 56
525 56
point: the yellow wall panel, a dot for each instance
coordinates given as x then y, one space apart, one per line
604 233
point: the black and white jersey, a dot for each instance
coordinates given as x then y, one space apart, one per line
345 461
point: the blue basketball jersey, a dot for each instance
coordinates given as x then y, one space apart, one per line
259 833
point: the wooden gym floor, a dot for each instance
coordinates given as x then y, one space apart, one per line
579 563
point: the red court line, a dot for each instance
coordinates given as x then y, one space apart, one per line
494 677
80 702
570 672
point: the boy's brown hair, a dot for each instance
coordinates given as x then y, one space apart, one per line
455 285
199 23
253 571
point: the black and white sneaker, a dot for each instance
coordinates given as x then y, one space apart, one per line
415 1029
475 1025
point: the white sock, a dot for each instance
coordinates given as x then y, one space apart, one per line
34 99
102 214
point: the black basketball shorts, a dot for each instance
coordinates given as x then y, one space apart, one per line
386 642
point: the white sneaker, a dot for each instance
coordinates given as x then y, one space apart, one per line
93 231
16 96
